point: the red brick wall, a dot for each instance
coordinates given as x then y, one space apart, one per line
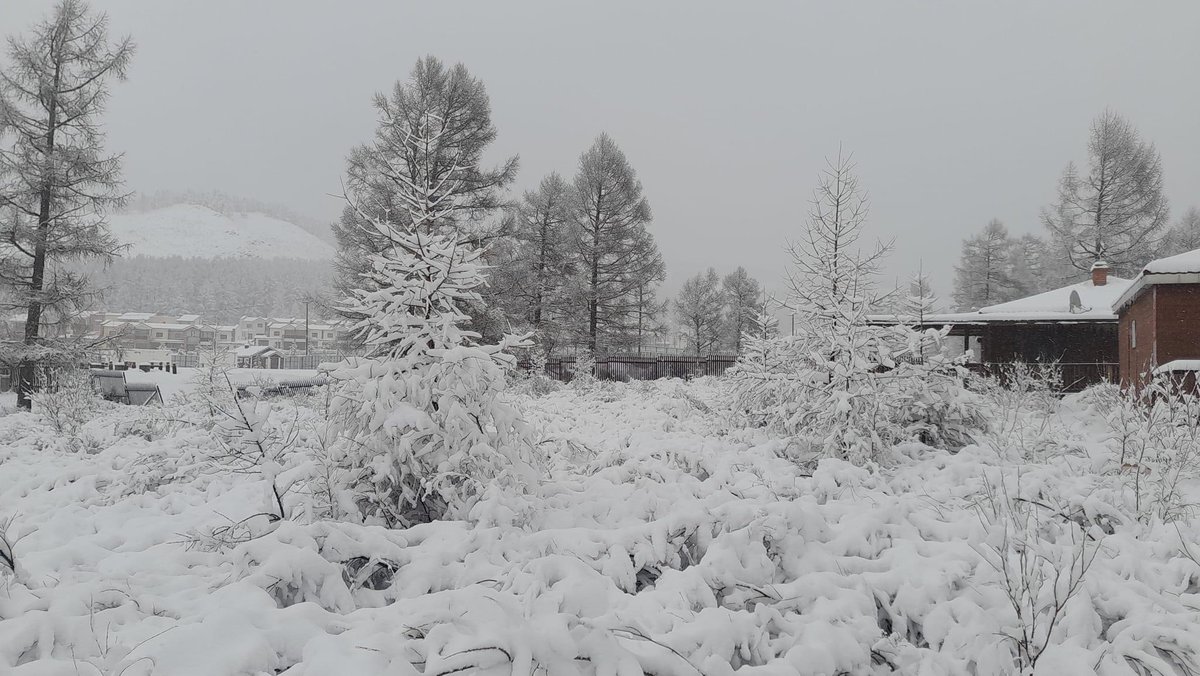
1137 361
1178 322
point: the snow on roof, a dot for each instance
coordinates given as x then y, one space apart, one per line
1179 365
253 350
1181 268
136 316
1186 262
1095 304
188 319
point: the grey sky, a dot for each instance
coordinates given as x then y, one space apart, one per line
957 112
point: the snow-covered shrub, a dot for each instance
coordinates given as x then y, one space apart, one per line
855 391
1154 437
1041 557
583 375
8 558
1023 403
67 402
534 381
421 424
252 441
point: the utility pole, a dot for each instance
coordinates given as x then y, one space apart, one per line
307 334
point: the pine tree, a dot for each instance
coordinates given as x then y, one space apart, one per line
1117 212
56 182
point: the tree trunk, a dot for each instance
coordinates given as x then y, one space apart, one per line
26 372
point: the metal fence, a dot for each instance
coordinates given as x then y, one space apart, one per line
626 368
286 361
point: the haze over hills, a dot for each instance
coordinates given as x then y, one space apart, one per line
194 230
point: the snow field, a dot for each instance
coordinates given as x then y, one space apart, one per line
665 539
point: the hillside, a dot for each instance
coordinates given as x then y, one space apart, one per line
190 230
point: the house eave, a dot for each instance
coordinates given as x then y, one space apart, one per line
1149 279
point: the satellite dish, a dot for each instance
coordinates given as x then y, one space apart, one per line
1076 303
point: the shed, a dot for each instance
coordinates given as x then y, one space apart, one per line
112 386
258 357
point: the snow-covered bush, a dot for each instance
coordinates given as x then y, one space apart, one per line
1154 439
252 441
534 381
421 424
1022 401
1041 557
67 402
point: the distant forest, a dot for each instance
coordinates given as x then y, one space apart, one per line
219 289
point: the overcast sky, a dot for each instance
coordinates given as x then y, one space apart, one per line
957 112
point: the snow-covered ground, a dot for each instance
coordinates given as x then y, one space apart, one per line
666 538
193 231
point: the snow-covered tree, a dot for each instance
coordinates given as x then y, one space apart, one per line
420 424
615 253
1032 268
536 272
1183 236
424 168
1117 211
920 299
700 309
56 182
743 299
982 274
847 387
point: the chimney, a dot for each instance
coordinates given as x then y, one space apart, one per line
1099 273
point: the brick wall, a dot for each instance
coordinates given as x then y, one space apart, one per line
1137 361
1177 332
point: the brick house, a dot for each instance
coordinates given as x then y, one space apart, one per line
1159 321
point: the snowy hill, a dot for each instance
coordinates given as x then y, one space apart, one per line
196 231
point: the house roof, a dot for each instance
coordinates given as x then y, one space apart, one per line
1181 268
1095 305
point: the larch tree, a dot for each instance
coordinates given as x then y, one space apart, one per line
56 181
700 310
645 318
538 269
982 274
425 165
845 386
1031 267
420 425
743 298
1116 212
612 245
